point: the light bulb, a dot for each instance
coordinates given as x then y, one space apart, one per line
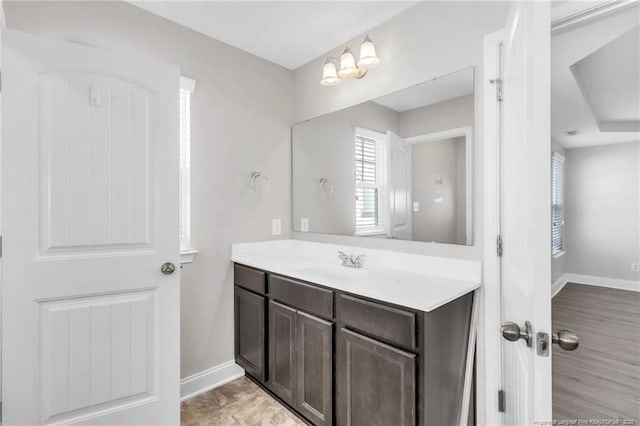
329 74
368 57
348 67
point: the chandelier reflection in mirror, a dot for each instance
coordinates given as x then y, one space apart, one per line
347 68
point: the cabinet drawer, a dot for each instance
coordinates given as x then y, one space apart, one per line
384 322
249 278
305 297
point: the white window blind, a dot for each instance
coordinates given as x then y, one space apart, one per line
186 89
366 196
557 203
370 182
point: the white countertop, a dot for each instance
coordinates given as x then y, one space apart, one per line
415 281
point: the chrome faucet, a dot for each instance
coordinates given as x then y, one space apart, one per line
351 261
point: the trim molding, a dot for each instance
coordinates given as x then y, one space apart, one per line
628 285
209 379
572 13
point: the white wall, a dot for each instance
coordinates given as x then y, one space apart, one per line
241 115
428 40
603 210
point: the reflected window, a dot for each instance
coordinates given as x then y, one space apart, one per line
370 182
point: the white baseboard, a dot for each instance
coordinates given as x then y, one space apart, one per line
558 285
209 379
628 285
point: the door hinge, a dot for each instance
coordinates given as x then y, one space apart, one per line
499 245
498 83
501 401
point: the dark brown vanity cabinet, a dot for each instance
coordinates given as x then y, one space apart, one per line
390 365
282 351
249 320
376 383
301 350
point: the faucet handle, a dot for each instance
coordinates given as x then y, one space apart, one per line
359 260
342 255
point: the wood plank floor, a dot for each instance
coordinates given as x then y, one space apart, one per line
601 379
240 402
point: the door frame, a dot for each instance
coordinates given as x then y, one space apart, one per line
489 366
489 341
467 132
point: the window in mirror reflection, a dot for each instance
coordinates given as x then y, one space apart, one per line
370 182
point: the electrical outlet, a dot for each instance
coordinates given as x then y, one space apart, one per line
416 206
304 224
635 267
276 227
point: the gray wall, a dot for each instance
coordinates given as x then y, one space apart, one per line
441 220
421 43
603 210
324 147
446 115
241 113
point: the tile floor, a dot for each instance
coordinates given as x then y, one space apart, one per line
240 402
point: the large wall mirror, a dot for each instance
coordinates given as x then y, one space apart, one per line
398 166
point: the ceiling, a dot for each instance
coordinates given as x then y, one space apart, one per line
288 33
595 81
454 85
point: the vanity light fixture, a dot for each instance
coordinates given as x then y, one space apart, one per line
333 71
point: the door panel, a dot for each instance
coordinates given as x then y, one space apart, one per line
100 349
90 324
250 332
282 351
376 383
315 369
94 164
400 176
525 211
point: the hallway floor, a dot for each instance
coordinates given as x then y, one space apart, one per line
601 379
240 402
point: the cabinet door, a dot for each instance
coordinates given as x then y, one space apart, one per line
315 369
249 332
282 351
376 383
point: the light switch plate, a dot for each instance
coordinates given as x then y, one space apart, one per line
304 224
276 227
416 206
635 267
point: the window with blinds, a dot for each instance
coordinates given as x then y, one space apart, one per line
186 88
557 203
369 183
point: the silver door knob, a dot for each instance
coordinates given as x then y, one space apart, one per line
566 339
168 268
512 332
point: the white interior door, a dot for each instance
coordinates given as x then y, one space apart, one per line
90 213
400 187
525 217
